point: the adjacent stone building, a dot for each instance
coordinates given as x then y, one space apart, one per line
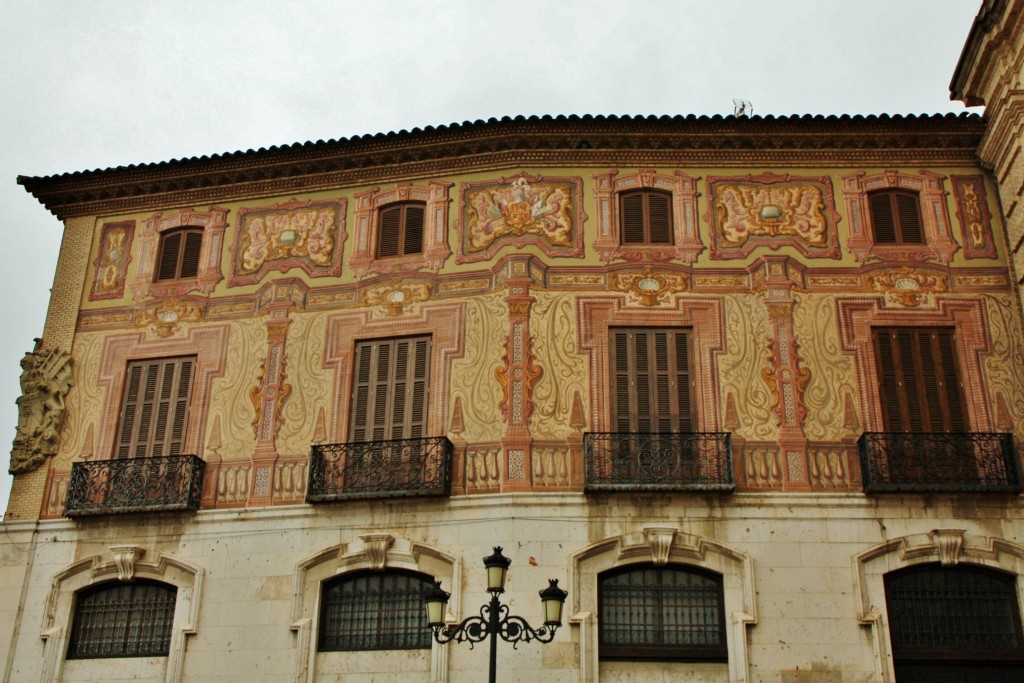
750 388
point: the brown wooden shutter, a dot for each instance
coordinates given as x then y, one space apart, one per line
156 404
190 254
412 240
651 381
389 231
632 217
659 218
896 217
179 254
645 217
908 212
400 229
170 246
918 380
391 388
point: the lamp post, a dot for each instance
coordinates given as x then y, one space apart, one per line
494 619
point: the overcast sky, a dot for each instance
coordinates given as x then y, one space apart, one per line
101 83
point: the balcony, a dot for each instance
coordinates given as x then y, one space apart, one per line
157 484
938 462
692 461
380 469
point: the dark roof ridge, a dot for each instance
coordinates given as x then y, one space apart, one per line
520 118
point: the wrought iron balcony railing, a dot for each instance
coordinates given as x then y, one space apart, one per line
935 461
690 461
380 469
159 483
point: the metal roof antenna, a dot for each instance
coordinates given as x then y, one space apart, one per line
742 108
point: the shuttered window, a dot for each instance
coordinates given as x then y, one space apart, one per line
645 217
400 230
896 217
155 411
390 389
958 623
675 612
378 610
652 381
179 254
123 620
918 380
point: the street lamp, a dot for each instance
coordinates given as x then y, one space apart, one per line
494 619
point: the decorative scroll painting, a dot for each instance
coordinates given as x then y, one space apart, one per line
112 262
545 212
772 211
306 235
975 220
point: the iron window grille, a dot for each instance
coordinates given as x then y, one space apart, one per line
374 610
955 623
123 620
675 612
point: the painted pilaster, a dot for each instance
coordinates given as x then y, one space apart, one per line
783 371
271 391
517 375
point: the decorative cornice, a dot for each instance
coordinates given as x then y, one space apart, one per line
846 141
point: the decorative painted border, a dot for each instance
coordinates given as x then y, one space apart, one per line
686 242
830 248
435 194
213 222
285 263
974 216
579 216
111 264
706 317
938 232
973 338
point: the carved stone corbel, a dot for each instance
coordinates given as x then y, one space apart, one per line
125 557
661 539
948 543
376 548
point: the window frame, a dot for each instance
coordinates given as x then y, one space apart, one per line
409 638
680 420
894 372
128 443
663 652
137 610
900 226
188 255
999 581
646 195
366 398
401 239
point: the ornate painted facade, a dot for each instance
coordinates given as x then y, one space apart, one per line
519 296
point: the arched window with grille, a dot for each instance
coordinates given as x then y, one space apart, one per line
896 217
400 229
122 620
178 258
645 217
663 613
374 610
959 623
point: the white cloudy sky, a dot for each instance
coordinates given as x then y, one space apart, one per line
103 83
